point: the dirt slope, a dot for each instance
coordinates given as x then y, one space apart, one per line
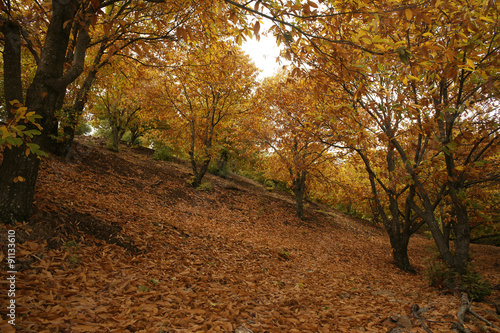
121 243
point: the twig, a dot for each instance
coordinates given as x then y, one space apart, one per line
157 182
416 311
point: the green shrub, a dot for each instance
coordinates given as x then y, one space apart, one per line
163 153
349 209
213 168
206 186
83 128
127 137
270 185
439 274
442 277
110 145
277 185
476 286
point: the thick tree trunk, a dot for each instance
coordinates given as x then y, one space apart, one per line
48 85
399 244
13 88
15 197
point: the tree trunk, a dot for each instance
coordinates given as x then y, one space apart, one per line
15 197
299 189
462 234
75 112
222 162
399 230
48 85
115 138
199 174
399 244
427 215
13 88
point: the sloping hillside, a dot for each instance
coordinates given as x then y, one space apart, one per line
121 243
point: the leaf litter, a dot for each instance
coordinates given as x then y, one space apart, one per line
122 243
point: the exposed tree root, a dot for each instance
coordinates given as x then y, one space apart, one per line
465 308
459 326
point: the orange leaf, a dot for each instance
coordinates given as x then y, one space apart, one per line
256 28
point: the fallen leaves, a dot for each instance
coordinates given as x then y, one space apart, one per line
208 261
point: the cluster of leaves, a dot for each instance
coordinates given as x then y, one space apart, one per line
206 89
20 129
163 153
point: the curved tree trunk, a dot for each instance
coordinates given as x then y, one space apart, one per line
75 112
48 86
400 227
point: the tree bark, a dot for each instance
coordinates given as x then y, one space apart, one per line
48 85
222 161
199 174
299 189
13 87
15 197
399 244
399 229
462 234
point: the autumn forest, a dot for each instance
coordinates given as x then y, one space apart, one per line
152 180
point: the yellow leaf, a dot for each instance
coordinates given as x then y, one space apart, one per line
27 152
408 13
459 168
19 179
5 132
471 63
487 19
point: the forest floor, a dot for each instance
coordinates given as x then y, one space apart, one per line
121 243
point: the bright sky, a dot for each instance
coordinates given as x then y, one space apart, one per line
263 54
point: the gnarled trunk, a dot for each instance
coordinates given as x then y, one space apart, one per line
199 173
47 88
399 244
